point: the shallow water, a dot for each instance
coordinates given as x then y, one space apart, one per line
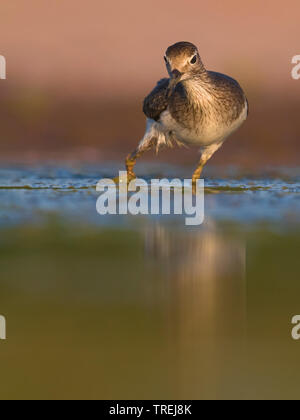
30 194
138 307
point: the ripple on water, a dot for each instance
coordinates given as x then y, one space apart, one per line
31 194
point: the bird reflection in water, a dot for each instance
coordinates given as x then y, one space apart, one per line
203 288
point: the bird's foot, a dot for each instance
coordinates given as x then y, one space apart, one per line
195 185
130 176
196 177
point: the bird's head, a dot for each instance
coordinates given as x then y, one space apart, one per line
183 61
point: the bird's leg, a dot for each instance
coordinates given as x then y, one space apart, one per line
207 153
133 157
130 164
197 174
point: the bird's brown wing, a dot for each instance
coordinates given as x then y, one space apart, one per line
157 101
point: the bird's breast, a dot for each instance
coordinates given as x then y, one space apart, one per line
202 129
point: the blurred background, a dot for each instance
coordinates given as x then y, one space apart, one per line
77 73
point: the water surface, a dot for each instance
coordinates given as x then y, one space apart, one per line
138 307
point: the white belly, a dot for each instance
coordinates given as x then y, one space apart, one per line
207 133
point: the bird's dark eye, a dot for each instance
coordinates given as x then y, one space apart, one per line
194 59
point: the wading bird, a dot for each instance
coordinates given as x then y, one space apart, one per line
192 107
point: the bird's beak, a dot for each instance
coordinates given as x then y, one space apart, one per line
176 74
175 79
